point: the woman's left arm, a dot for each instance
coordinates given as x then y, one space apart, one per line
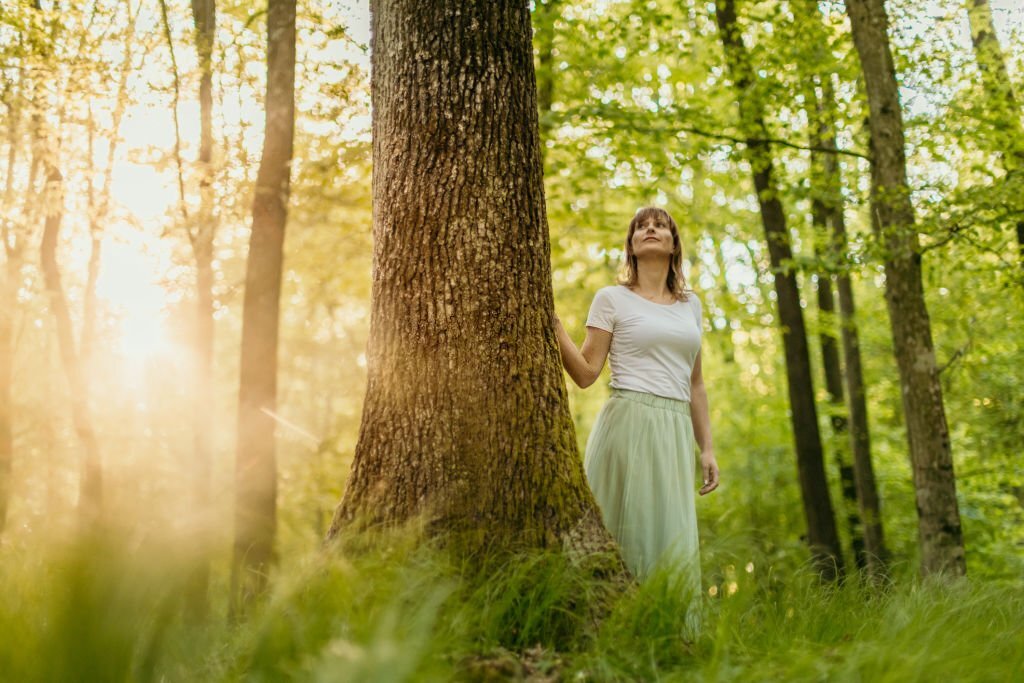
702 427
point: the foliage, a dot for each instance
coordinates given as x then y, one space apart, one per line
403 610
641 113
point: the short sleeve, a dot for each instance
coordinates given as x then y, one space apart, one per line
697 308
602 311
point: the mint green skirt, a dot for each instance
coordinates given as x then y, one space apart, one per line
641 465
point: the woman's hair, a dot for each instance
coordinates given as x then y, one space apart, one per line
675 280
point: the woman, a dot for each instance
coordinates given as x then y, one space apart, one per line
640 455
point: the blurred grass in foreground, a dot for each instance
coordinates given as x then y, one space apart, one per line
111 610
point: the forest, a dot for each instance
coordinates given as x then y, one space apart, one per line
280 389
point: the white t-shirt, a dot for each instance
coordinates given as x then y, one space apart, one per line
654 346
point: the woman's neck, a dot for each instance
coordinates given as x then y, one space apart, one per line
652 278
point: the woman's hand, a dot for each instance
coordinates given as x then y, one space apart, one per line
584 364
710 469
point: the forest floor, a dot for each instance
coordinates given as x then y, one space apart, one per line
106 610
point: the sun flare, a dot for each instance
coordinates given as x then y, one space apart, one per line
129 288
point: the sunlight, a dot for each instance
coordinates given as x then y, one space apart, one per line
126 284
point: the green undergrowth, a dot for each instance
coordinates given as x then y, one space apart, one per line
404 610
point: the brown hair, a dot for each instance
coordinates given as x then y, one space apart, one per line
674 280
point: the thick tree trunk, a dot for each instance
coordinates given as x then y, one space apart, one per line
821 528
255 467
204 16
466 423
999 88
940 534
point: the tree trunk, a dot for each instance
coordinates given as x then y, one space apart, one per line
204 16
832 369
546 13
876 555
939 530
825 253
8 299
821 528
8 295
90 488
87 338
999 90
255 468
465 424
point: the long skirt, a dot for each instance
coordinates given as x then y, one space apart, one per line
641 464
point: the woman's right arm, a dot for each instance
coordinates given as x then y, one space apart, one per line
584 365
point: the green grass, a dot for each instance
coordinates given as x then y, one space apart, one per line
101 610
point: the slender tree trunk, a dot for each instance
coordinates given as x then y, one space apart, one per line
827 255
200 230
1005 106
46 155
204 16
826 183
833 371
876 555
91 484
12 272
8 298
940 534
466 423
255 467
821 528
88 334
546 13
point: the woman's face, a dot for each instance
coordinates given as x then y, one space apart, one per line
652 237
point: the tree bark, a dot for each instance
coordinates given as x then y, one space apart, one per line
1004 105
821 528
465 424
939 530
255 467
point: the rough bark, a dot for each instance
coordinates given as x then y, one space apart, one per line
939 530
821 528
465 424
1003 102
255 466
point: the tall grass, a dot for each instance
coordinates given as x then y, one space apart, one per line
110 610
